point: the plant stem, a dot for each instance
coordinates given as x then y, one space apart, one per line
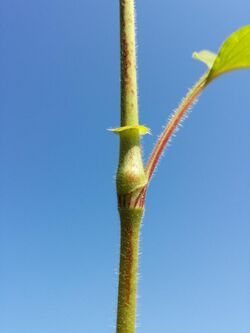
130 230
130 178
173 124
130 173
129 103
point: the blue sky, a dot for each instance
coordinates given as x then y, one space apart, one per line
59 228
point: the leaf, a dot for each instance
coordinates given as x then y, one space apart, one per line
142 129
234 54
205 56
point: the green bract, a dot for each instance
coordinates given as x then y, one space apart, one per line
234 54
142 130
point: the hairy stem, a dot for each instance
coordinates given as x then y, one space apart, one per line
130 229
130 178
130 173
173 124
129 103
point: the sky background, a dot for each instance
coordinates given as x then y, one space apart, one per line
59 227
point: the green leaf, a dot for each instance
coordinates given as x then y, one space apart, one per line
205 56
234 54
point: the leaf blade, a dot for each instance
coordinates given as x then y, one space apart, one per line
234 54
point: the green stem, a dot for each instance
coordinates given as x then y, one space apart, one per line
130 229
130 173
130 178
129 103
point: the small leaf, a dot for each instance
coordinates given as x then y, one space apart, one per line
205 56
142 129
234 54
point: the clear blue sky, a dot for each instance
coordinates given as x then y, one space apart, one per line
59 229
